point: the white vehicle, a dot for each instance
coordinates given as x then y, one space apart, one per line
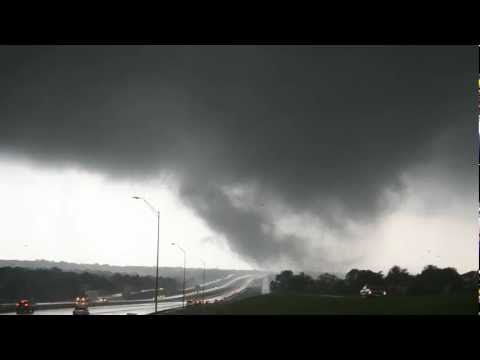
367 292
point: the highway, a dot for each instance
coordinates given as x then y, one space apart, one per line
239 282
190 288
229 289
238 289
139 309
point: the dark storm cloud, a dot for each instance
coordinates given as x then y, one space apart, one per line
248 232
318 127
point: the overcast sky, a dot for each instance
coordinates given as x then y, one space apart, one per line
309 158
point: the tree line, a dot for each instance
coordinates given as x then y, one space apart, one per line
194 275
431 281
57 285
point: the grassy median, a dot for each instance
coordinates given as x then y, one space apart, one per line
293 304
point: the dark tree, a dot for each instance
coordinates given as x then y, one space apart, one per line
433 280
327 283
356 279
57 285
398 280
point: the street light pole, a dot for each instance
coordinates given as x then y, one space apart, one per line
184 271
158 245
156 275
203 286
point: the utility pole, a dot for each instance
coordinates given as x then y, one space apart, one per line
156 275
184 270
203 285
157 212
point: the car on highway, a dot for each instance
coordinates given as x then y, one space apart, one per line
81 306
81 300
24 307
103 300
194 302
81 310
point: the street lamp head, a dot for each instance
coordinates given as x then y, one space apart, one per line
136 197
173 243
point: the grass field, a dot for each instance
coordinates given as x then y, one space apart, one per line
349 305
